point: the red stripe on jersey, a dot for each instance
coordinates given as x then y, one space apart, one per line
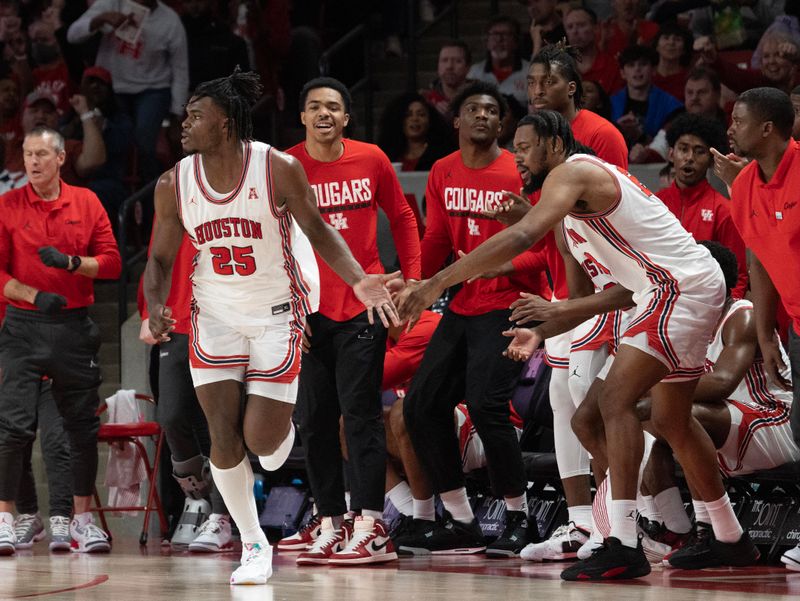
556 362
601 334
199 358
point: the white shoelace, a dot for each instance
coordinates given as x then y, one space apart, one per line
22 523
359 538
210 527
325 539
7 531
59 526
91 531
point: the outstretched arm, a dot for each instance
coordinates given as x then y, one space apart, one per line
293 193
167 237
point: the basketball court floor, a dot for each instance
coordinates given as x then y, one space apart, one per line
153 573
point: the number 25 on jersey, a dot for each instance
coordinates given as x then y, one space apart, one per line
236 259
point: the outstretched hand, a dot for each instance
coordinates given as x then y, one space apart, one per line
727 166
510 211
371 290
524 342
415 298
531 307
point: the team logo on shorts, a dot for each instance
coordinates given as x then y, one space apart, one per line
252 194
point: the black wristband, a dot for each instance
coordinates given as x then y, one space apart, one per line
74 263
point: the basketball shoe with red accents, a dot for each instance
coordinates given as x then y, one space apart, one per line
611 561
329 541
370 544
303 538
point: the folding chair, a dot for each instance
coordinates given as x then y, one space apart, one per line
131 432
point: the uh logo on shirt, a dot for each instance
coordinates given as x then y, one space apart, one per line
335 198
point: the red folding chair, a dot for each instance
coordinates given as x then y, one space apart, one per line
132 432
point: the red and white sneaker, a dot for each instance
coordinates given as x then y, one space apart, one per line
329 541
370 544
304 538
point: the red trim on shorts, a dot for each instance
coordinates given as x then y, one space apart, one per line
200 359
289 366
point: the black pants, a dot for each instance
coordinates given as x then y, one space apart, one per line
341 375
63 347
57 461
794 360
179 413
464 361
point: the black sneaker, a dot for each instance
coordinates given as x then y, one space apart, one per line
450 538
519 531
611 561
412 535
708 552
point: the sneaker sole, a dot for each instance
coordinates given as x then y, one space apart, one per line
7 549
628 573
94 549
60 547
362 560
27 545
553 558
791 564
312 561
252 580
201 548
501 554
292 547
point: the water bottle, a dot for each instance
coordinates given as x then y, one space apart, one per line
288 528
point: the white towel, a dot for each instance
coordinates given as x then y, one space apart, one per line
125 470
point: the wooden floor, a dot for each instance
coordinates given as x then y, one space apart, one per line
155 574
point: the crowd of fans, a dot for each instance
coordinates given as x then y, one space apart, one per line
635 86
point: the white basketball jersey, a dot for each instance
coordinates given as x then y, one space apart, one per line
638 242
254 265
755 390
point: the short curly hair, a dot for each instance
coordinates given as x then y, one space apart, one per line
478 88
708 130
727 262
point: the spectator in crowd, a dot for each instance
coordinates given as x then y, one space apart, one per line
47 330
596 99
150 74
788 23
594 64
9 179
10 113
546 25
765 210
626 27
452 68
50 73
702 93
15 55
779 58
214 50
413 133
640 109
503 67
674 47
703 211
84 157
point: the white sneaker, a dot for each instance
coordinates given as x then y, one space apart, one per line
214 535
654 550
256 565
329 541
60 539
29 529
791 559
88 538
370 544
563 544
8 538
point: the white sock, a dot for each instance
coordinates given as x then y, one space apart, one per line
236 487
347 499
581 515
83 518
700 512
401 498
281 454
726 527
671 505
651 511
623 521
425 509
519 503
371 513
457 503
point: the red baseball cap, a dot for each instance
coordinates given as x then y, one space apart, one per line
100 73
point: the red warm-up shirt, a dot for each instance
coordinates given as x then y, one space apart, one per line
75 223
180 291
349 191
404 356
590 129
706 215
605 71
767 215
456 195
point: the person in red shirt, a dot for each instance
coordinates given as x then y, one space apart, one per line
54 240
625 27
463 359
51 72
341 373
673 44
765 210
704 212
595 65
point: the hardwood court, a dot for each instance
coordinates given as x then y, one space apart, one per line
154 574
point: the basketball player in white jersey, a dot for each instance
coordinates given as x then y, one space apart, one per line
678 291
252 216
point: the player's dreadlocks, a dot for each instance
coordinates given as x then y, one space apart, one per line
235 95
563 59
